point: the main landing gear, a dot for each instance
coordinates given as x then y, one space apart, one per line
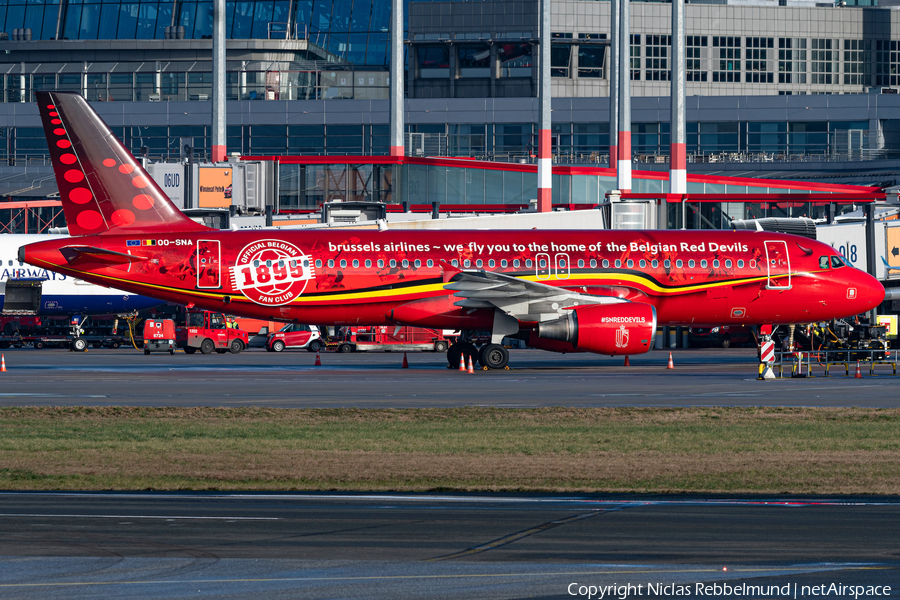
492 356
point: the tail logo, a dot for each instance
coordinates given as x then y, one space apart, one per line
272 272
621 336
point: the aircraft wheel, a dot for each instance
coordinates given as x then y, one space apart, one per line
115 345
207 346
277 346
493 356
441 346
79 344
236 347
189 350
315 346
466 349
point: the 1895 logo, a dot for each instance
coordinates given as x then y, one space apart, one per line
272 272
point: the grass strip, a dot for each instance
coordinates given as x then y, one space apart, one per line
730 450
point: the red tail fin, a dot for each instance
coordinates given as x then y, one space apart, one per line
102 187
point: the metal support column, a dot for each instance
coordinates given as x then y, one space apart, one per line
218 91
545 194
623 174
614 77
396 92
870 250
677 147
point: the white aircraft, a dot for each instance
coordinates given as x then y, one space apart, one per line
27 290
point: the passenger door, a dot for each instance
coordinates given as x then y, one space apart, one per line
778 264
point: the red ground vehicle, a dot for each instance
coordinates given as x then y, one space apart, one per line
386 338
295 335
208 331
159 336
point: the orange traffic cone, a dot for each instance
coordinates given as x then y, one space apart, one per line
858 373
318 360
462 362
2 363
471 368
627 362
405 362
671 365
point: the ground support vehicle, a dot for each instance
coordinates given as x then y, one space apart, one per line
385 338
159 336
295 335
75 333
208 332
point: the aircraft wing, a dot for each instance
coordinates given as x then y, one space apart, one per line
519 298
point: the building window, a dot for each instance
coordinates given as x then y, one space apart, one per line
474 61
656 62
591 56
692 52
756 66
515 60
791 60
729 56
857 54
887 62
822 59
434 61
560 56
636 57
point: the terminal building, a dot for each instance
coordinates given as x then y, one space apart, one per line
787 91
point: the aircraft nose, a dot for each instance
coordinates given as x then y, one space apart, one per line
868 291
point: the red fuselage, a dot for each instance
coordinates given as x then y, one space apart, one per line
336 277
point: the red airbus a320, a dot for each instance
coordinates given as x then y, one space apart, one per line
595 291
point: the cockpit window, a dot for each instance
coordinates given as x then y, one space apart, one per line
837 261
823 262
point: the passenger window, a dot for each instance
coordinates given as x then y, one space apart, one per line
503 263
417 263
630 263
516 263
580 263
668 263
393 263
654 263
728 264
330 263
368 264
479 263
618 263
405 264
467 263
837 261
319 263
454 262
430 263
703 263
679 263
528 263
691 263
492 264
355 263
542 263
716 264
823 262
740 264
643 263
605 264
343 264
594 263
380 263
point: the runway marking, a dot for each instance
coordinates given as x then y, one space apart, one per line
158 517
519 535
718 571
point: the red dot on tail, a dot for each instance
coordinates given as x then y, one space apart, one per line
89 219
63 143
55 121
140 181
74 176
109 162
126 168
80 195
54 114
59 131
143 202
68 159
122 217
51 106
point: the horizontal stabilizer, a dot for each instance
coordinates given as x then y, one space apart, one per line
81 254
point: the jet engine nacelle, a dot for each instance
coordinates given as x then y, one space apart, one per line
622 328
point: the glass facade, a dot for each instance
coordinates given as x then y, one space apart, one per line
354 30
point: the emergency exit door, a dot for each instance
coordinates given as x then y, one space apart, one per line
209 264
778 265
